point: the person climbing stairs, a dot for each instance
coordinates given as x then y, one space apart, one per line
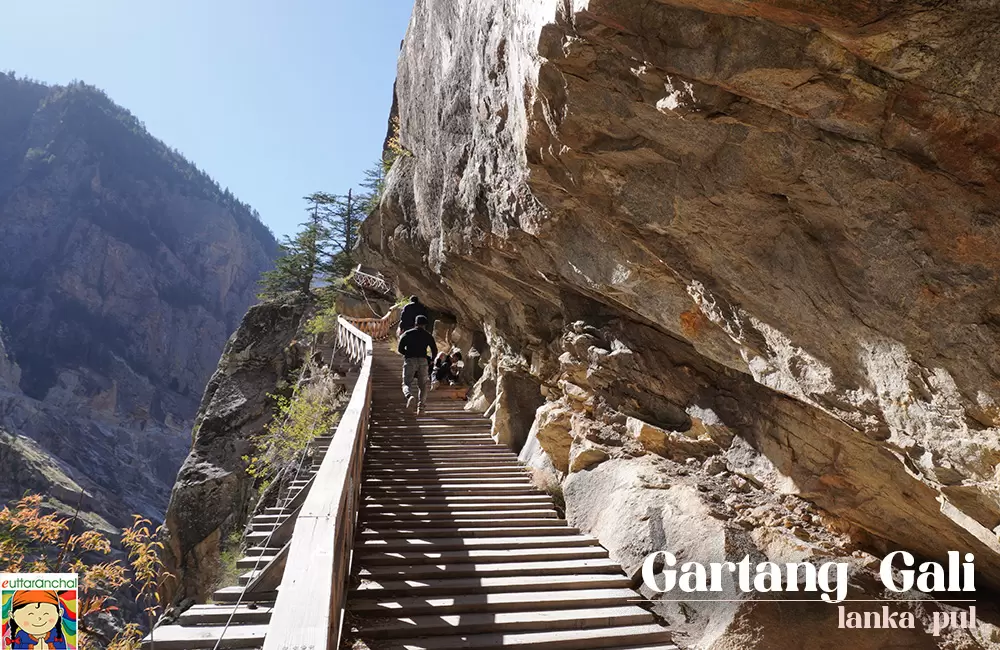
457 549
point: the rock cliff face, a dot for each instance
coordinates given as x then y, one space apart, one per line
213 495
123 270
748 240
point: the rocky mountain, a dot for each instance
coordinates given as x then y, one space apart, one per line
735 263
123 271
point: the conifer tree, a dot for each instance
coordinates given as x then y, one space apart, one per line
375 184
344 218
302 258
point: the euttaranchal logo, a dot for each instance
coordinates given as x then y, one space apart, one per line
37 608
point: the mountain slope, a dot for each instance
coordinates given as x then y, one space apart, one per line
123 271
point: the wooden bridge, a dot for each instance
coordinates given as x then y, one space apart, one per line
415 532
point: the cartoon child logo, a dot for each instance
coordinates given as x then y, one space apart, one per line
39 619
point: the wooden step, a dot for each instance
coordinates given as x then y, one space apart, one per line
220 615
471 475
371 557
480 505
424 453
466 532
396 411
445 492
255 562
375 465
233 594
491 569
448 485
506 622
447 481
422 446
444 437
456 543
464 586
419 499
493 602
182 637
263 536
588 639
425 433
404 472
449 523
436 414
260 551
394 407
406 446
245 578
403 515
434 430
416 465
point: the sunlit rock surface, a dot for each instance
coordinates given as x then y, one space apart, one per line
750 238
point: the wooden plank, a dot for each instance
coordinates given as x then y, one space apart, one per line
181 637
300 496
611 637
549 620
270 576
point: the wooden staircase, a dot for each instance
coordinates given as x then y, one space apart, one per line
453 548
242 612
457 549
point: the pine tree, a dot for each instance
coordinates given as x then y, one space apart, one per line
302 258
344 218
375 184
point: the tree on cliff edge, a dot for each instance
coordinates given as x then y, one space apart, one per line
302 257
344 219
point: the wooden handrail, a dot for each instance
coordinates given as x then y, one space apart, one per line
377 328
308 612
357 343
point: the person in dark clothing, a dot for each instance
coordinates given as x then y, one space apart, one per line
455 366
442 368
413 346
408 318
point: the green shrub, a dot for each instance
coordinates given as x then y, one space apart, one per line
322 323
297 420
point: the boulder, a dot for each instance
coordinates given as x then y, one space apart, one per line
518 397
678 445
550 430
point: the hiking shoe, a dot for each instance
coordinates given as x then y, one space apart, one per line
411 403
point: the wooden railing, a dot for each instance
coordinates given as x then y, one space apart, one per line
371 282
377 328
309 609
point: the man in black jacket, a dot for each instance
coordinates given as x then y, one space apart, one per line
408 318
413 346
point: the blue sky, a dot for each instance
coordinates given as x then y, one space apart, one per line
273 98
